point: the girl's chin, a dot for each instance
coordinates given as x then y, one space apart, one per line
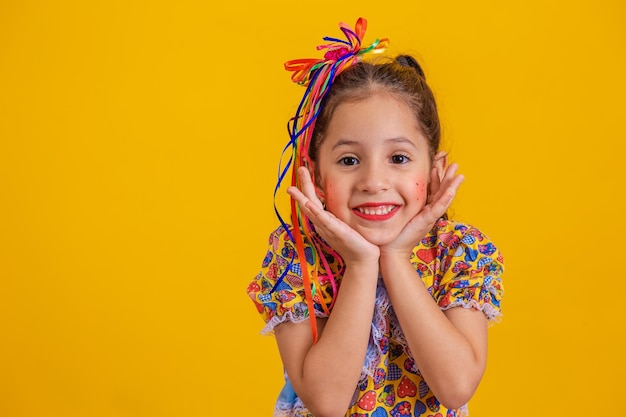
380 238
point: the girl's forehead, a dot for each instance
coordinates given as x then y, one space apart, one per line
379 115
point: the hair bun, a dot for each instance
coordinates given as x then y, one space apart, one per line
409 61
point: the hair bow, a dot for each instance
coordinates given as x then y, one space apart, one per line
338 52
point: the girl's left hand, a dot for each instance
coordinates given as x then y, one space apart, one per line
442 192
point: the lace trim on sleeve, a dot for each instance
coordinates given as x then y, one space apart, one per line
296 409
298 315
289 404
492 313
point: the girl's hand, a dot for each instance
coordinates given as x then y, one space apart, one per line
442 193
352 247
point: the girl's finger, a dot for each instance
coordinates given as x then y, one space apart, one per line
313 211
308 188
438 206
450 173
443 183
448 192
297 195
326 224
434 184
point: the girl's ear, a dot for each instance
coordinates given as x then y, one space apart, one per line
440 162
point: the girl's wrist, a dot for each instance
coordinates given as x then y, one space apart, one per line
366 257
362 263
363 267
394 256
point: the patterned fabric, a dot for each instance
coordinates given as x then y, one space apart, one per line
458 264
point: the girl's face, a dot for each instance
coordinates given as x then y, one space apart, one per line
374 166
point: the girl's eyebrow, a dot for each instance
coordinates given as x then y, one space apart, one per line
401 139
348 142
344 142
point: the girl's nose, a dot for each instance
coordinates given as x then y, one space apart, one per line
374 179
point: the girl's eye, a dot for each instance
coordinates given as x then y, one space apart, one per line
399 159
348 160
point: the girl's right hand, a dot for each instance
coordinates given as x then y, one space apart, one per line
352 247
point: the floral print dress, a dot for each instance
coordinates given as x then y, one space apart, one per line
458 264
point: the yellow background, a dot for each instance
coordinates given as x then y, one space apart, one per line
138 149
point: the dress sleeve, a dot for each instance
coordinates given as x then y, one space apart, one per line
471 271
278 290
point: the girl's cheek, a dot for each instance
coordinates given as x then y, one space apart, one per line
335 202
421 190
329 196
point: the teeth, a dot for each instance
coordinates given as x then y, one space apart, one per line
378 211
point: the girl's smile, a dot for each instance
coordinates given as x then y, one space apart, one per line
376 211
373 166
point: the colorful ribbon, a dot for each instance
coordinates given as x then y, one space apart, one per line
317 75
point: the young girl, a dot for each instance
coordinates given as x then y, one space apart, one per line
379 303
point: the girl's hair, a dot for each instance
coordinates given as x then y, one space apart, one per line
401 78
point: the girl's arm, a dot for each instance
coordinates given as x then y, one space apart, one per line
449 348
325 374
